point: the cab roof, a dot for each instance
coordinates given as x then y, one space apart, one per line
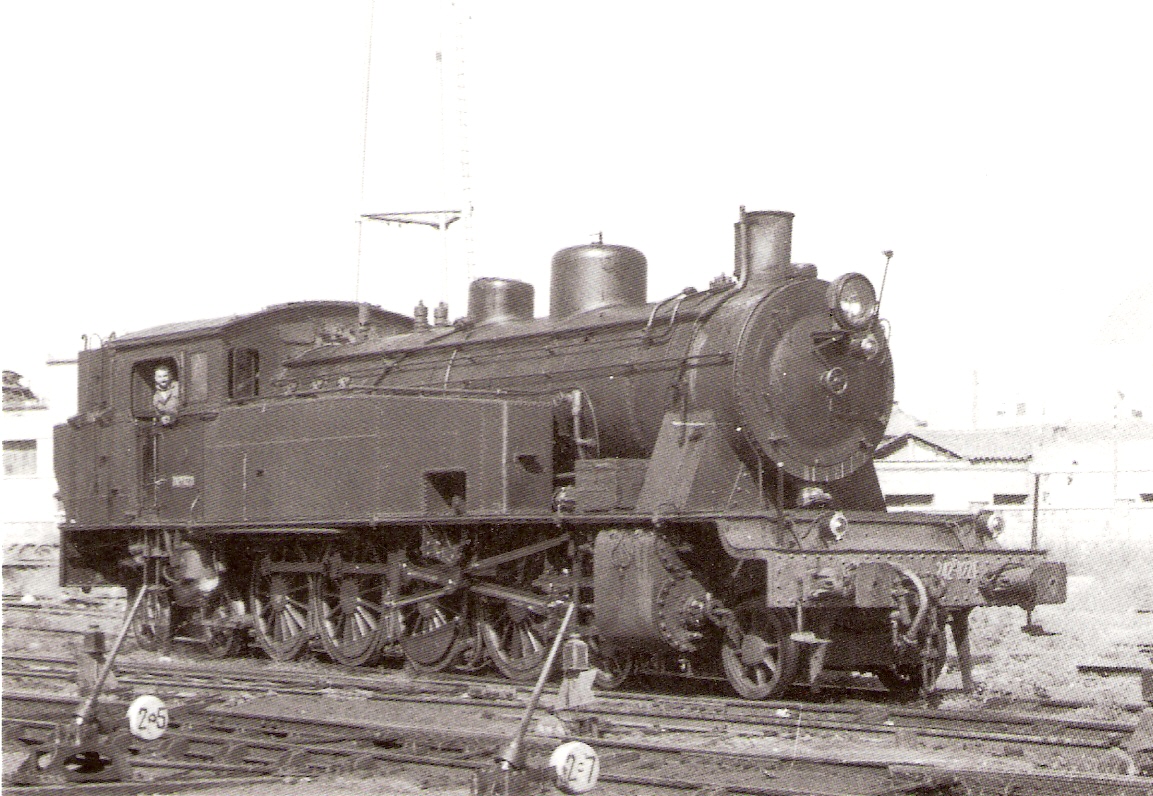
220 326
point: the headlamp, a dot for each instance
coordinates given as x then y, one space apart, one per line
990 524
852 301
833 525
865 346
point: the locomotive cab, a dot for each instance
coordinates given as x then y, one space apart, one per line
135 453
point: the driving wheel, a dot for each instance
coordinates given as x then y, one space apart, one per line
433 634
280 605
351 617
517 639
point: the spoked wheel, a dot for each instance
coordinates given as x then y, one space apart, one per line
919 660
614 666
517 639
759 657
352 618
916 674
280 606
517 634
218 625
434 634
910 680
152 624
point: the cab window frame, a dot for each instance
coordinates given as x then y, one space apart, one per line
143 382
243 372
195 387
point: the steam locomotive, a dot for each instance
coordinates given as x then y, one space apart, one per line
694 474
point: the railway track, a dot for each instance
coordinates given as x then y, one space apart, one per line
55 618
253 744
634 721
67 604
645 740
233 743
626 712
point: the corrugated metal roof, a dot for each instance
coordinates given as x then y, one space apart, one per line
1009 444
1017 443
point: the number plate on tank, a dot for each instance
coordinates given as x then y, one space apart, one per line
957 568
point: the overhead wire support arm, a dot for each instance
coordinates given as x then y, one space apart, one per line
441 219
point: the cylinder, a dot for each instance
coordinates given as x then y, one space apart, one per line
764 245
496 300
595 276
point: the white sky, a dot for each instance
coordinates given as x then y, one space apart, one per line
165 161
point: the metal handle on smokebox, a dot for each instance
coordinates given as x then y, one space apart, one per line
84 713
513 755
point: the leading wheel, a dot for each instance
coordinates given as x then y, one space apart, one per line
758 655
920 656
152 623
280 605
909 680
916 671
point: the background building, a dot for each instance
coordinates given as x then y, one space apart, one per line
28 486
1088 481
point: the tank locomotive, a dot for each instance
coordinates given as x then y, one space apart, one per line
695 473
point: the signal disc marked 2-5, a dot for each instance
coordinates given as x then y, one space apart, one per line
148 717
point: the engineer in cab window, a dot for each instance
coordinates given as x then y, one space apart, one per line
165 395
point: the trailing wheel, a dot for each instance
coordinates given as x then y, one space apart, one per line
152 624
280 603
759 657
219 629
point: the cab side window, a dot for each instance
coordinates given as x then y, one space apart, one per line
243 373
155 387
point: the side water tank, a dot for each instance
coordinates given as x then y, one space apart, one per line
595 276
495 300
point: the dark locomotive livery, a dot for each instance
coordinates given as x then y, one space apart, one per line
695 474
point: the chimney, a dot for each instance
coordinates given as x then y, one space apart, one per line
763 246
